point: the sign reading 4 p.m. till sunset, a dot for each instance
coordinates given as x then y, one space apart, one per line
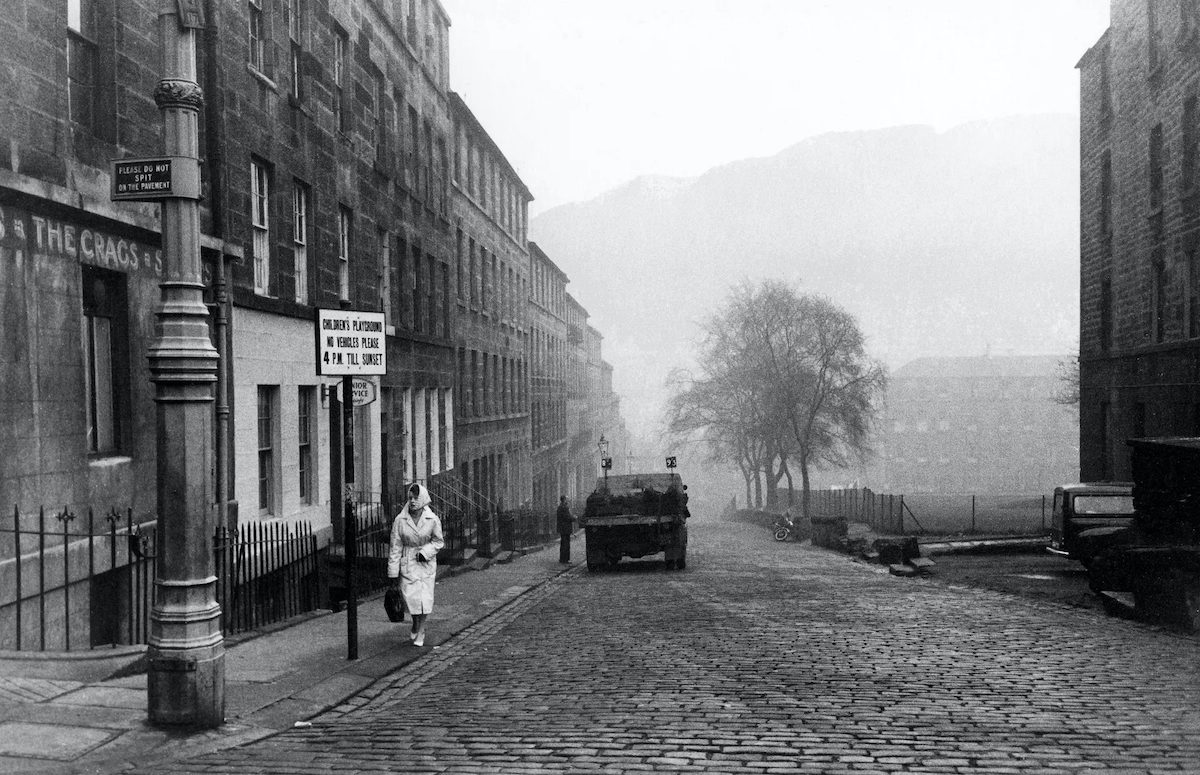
350 342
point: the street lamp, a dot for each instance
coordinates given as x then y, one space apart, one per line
629 461
605 460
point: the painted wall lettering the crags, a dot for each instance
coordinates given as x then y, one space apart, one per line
55 238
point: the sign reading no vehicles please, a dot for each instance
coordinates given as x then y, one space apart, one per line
350 342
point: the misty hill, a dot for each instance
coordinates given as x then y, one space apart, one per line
952 243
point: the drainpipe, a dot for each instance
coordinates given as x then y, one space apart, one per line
222 451
214 153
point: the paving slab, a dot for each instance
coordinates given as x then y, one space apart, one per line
50 741
105 697
34 689
333 689
85 666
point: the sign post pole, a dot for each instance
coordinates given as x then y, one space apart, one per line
350 343
351 518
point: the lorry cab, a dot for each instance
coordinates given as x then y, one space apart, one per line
1089 517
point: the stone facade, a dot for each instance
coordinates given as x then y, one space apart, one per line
79 274
338 169
548 383
74 288
325 144
349 119
582 426
1139 233
985 425
491 292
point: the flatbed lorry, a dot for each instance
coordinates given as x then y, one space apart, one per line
634 515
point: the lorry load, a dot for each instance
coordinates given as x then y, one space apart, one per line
633 515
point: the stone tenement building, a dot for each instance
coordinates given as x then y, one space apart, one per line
567 377
548 385
1139 232
492 299
984 425
338 168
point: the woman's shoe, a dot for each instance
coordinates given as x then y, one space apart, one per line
419 640
412 636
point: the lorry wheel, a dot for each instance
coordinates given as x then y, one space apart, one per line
592 566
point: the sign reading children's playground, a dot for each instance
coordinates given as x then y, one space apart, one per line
350 342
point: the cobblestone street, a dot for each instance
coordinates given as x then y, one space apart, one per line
765 658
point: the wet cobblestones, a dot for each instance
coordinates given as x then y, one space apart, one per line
765 658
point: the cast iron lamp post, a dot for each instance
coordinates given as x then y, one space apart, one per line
185 655
605 460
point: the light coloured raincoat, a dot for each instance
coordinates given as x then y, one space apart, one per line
414 539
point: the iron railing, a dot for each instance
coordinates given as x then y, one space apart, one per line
266 573
935 514
66 581
69 582
520 528
467 515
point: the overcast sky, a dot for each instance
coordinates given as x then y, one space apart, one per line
582 96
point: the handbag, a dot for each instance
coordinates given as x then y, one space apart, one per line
393 604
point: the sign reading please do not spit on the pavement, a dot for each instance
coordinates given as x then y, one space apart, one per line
350 343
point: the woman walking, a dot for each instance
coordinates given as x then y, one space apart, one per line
412 562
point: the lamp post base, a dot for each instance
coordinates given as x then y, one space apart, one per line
186 688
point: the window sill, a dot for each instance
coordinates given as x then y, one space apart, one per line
262 77
107 459
382 167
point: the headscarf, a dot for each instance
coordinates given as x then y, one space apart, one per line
423 498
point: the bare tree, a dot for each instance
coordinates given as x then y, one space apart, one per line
810 355
784 377
1067 393
720 414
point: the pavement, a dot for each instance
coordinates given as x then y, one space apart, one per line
86 713
984 544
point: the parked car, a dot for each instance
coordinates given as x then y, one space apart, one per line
1089 518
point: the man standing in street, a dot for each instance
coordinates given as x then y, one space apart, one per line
566 524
